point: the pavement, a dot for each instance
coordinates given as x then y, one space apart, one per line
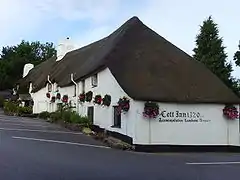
34 149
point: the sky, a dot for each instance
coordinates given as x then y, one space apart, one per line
86 21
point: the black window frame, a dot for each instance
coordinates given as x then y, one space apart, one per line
117 117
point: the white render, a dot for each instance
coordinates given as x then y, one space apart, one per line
27 67
214 130
64 47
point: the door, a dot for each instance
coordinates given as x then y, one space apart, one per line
90 114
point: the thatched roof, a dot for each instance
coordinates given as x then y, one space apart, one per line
147 66
38 74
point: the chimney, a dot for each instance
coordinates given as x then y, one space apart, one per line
63 48
27 68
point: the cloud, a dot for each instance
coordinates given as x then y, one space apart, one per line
89 20
20 18
97 11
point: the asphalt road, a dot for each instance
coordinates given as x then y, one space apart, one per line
33 149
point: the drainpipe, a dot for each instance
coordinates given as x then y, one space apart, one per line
48 79
76 87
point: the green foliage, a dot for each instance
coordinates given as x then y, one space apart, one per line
77 119
236 57
210 51
13 108
24 110
55 116
66 114
107 100
13 59
10 107
44 115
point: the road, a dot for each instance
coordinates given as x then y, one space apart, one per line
34 149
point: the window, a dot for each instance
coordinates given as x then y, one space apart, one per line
49 87
117 117
83 85
94 80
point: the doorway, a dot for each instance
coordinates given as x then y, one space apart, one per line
90 114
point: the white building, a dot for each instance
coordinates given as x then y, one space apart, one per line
136 62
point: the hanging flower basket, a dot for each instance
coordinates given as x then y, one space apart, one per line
53 99
106 100
123 104
58 96
48 95
98 99
230 112
89 96
151 110
82 97
65 99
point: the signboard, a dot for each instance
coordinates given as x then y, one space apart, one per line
182 117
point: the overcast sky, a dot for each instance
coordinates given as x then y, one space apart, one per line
85 21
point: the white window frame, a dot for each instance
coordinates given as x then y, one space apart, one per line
94 80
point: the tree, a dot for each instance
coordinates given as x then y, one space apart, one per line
236 57
211 52
13 59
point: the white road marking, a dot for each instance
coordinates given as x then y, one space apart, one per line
22 121
60 142
13 124
213 163
36 130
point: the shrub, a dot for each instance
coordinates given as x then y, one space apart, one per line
13 108
77 119
66 116
85 120
74 118
24 110
44 115
10 107
55 116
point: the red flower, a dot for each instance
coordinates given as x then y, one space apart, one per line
230 112
53 99
151 110
48 95
65 99
98 99
81 97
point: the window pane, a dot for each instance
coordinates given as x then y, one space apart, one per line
117 117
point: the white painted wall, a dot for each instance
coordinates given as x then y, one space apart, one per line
216 130
40 101
103 116
63 47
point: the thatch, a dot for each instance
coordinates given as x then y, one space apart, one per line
37 75
147 66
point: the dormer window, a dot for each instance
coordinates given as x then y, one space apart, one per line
83 85
94 80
